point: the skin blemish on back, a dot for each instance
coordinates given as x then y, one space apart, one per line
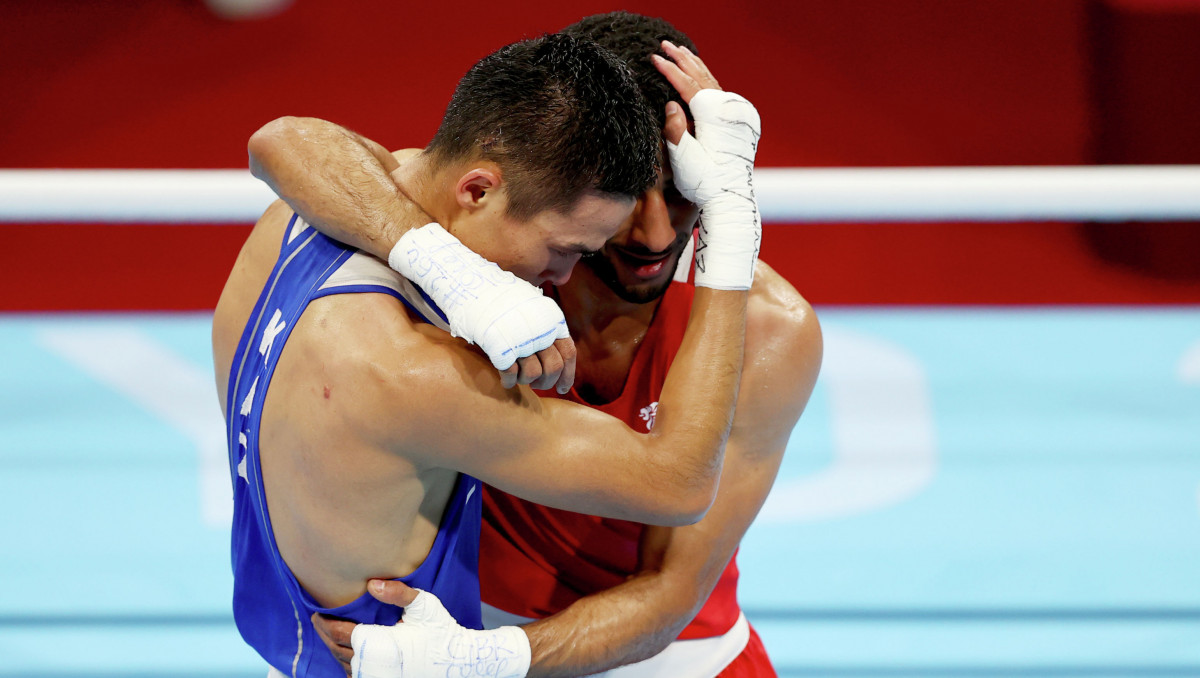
327 393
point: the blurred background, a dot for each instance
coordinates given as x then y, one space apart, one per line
999 472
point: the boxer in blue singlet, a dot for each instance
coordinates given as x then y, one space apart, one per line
357 423
266 595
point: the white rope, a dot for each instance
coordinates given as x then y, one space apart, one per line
1109 193
132 196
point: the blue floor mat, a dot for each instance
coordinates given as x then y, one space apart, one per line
974 492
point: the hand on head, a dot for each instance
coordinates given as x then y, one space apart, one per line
715 169
688 75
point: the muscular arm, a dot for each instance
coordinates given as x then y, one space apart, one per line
340 183
680 566
638 618
441 406
337 180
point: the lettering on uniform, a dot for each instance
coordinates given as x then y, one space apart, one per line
274 327
248 403
272 330
241 467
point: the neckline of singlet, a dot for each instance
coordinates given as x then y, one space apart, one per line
652 329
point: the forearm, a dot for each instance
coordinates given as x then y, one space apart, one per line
622 625
696 405
335 180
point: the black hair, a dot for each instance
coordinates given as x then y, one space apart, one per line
633 38
560 115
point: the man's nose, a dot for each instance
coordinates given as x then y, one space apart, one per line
560 275
652 222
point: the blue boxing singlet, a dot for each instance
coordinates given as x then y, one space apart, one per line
271 609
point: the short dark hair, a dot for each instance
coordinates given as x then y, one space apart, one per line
560 115
633 38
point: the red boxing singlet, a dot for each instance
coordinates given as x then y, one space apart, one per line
535 560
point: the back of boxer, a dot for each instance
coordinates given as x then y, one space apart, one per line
351 410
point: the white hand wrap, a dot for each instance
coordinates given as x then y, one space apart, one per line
715 170
429 642
507 317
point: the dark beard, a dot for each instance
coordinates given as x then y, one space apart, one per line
602 267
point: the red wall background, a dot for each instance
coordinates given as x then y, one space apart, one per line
165 83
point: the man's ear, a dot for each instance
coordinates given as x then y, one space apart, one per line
478 187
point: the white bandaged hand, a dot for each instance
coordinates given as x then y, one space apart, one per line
715 170
428 642
505 316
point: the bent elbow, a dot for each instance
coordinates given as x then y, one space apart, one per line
687 504
699 501
267 142
684 489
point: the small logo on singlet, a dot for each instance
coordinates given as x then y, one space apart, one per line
648 413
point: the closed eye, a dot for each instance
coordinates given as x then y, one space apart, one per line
580 250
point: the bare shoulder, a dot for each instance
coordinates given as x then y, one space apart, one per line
404 380
782 330
376 341
246 279
783 358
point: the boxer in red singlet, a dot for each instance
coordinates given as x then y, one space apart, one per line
595 594
627 588
539 561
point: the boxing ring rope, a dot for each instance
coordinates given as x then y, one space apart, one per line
923 194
